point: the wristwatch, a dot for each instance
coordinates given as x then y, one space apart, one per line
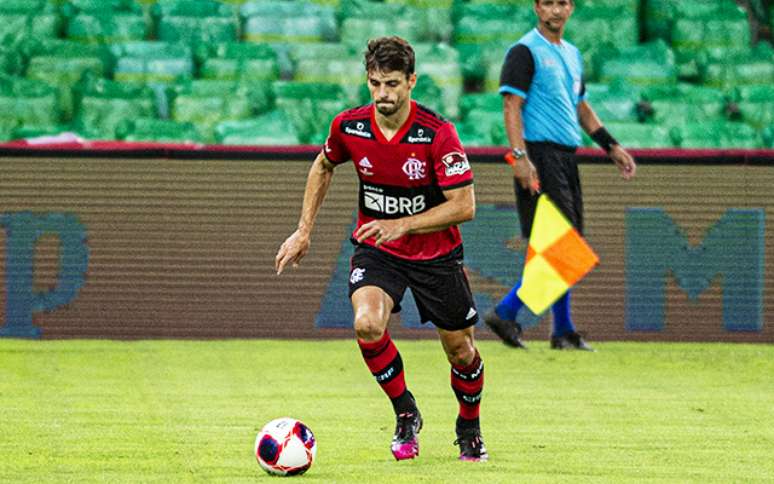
518 153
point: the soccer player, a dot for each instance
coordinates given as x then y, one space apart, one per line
416 186
544 106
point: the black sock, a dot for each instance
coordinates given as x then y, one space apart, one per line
464 424
404 403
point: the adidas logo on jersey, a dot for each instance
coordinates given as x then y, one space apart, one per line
364 165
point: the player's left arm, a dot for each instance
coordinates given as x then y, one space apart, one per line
590 123
460 206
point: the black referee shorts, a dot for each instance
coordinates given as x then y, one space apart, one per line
439 286
558 171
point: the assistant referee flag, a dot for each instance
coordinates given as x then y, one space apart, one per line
557 258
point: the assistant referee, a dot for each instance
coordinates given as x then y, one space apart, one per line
544 107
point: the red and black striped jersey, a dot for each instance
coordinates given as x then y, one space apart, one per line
404 175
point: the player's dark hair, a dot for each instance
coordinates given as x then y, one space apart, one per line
388 54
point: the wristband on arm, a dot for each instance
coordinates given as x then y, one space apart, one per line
604 139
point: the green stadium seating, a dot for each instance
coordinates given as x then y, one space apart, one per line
152 62
72 7
17 27
427 92
482 128
442 63
733 67
7 128
343 66
637 135
356 31
191 8
25 7
239 61
158 130
107 28
310 107
291 21
683 103
719 134
616 101
11 61
191 30
26 102
206 103
594 27
644 64
435 15
274 128
756 104
489 102
102 105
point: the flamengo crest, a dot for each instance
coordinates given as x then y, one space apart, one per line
415 169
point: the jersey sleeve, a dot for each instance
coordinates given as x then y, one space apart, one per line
450 163
335 149
517 72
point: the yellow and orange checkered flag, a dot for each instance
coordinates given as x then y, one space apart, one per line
557 258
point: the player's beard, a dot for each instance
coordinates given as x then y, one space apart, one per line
388 109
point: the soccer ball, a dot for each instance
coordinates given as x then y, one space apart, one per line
285 447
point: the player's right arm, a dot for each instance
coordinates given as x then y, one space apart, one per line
297 245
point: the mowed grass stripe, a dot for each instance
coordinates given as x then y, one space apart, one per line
188 411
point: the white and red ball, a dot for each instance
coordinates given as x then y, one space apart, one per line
285 447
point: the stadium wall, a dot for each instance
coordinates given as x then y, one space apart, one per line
180 244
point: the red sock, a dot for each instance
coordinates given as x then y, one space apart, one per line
467 383
386 365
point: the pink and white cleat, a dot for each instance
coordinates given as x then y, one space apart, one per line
405 442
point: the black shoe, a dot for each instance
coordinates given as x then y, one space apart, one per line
405 442
570 341
471 445
508 331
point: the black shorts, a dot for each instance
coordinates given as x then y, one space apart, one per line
558 172
440 286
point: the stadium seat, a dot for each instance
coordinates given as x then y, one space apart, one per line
11 62
616 101
158 130
442 63
273 128
356 31
310 107
426 91
644 64
191 30
63 64
206 103
25 102
155 64
107 28
102 105
191 8
482 128
637 135
489 102
733 67
239 61
17 27
291 21
435 15
720 134
684 103
343 66
755 104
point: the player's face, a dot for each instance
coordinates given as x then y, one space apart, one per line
553 14
390 90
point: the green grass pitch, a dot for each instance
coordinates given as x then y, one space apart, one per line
188 411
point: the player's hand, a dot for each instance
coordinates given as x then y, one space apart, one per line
292 250
382 230
624 161
525 173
